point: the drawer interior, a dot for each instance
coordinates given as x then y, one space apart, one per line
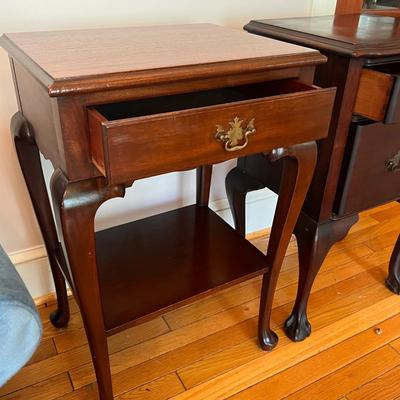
186 101
392 68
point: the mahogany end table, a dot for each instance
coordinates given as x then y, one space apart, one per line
112 106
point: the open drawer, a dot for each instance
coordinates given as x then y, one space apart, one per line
374 94
141 138
378 96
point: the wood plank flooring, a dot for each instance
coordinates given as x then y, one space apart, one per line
208 350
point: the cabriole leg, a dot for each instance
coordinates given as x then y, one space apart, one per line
75 206
314 242
29 160
298 168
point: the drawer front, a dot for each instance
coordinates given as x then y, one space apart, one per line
374 94
373 172
144 146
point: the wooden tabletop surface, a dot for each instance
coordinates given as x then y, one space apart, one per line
354 34
67 54
79 54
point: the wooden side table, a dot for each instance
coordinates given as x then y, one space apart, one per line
358 163
108 107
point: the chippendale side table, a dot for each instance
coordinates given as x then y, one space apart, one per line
111 106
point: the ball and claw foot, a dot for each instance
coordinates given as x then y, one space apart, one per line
297 327
268 340
59 319
393 284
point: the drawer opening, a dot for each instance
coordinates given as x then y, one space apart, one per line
186 101
147 137
393 69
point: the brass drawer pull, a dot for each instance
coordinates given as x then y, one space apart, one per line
393 163
236 138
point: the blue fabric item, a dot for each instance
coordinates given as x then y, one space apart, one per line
20 325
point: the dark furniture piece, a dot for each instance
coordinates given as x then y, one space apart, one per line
382 7
378 7
108 107
359 163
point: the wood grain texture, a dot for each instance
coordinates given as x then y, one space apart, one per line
76 337
298 169
321 365
39 113
29 160
351 376
166 352
50 389
384 387
105 284
115 143
261 368
348 7
45 350
334 148
159 389
339 307
61 131
78 56
350 42
373 94
354 35
195 332
213 346
202 254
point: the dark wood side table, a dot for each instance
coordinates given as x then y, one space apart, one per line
108 107
358 164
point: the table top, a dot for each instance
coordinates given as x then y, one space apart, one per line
358 35
82 55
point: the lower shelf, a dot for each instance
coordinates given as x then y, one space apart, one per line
158 263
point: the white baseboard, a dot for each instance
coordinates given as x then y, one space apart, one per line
260 209
28 255
32 263
37 276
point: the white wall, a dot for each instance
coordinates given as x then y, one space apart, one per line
19 233
323 7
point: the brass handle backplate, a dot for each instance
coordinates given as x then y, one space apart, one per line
393 164
236 137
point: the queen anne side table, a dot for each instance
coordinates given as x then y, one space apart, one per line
111 106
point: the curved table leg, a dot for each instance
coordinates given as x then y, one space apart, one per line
314 242
75 206
393 279
237 185
29 160
298 168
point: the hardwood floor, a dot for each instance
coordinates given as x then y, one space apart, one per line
208 350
